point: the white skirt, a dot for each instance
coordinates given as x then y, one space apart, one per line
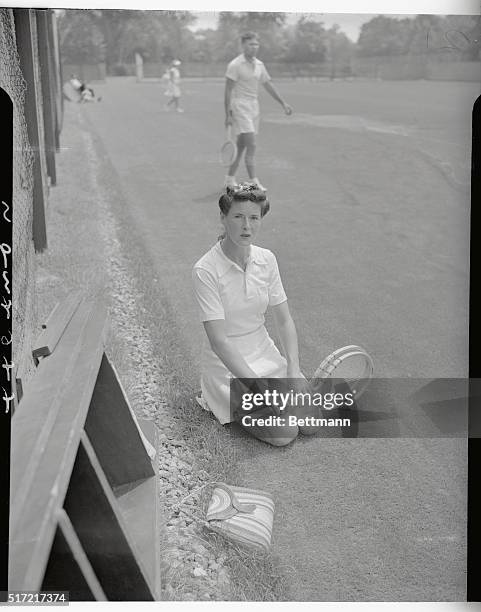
261 354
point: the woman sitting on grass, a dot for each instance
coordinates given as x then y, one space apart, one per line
234 283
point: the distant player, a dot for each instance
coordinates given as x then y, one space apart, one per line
76 82
88 95
85 93
243 75
173 87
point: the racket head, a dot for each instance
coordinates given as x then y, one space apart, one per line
351 364
228 151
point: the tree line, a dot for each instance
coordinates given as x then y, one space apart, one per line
89 36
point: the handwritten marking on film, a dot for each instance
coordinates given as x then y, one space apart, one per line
8 367
7 208
7 282
5 249
7 306
7 399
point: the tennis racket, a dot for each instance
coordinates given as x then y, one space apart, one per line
228 151
349 364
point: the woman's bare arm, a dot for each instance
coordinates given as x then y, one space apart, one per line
229 86
286 330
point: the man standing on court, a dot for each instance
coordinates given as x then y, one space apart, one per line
243 75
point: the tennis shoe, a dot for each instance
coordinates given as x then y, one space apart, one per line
230 182
180 110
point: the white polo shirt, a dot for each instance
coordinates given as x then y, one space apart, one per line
174 75
225 291
247 76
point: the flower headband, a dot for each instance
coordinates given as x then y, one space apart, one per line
246 191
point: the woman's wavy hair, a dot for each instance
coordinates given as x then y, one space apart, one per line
241 193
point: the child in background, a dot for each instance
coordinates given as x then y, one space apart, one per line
173 90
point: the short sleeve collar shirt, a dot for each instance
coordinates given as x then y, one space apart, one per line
175 75
240 297
247 76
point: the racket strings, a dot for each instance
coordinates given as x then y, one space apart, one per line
228 153
350 364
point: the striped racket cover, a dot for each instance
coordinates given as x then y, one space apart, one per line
245 516
350 363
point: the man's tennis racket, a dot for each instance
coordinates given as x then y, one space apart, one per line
228 151
349 364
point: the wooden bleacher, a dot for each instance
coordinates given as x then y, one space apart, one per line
84 489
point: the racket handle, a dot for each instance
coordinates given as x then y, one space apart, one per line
228 132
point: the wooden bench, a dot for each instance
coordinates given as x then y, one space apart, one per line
84 488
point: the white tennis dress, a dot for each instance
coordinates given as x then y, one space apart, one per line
225 291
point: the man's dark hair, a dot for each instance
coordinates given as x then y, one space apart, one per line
249 36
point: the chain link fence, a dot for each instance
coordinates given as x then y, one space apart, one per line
402 67
29 74
23 261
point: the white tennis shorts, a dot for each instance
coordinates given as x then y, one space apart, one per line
245 115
